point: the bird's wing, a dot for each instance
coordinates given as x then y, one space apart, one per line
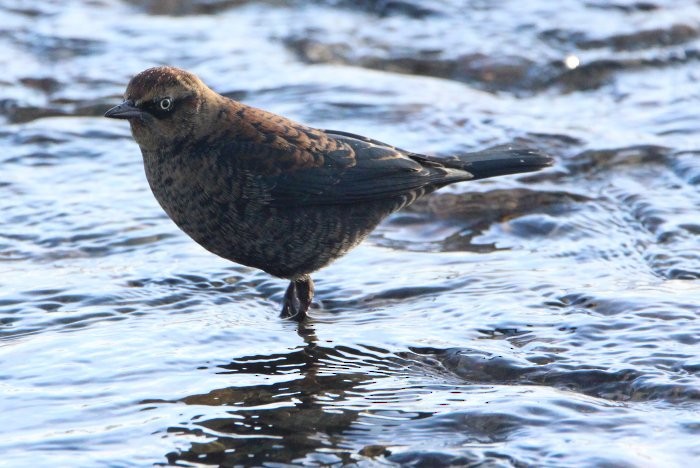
357 170
298 165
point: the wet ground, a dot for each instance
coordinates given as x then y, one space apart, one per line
550 319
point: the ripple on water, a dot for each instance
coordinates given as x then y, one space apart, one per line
472 420
548 319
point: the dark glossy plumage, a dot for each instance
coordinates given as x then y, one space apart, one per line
264 191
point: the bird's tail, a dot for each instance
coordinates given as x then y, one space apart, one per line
499 160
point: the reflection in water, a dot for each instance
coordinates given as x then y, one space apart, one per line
281 421
342 405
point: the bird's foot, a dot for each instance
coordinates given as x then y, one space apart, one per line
297 299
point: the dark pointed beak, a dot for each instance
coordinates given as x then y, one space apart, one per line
125 110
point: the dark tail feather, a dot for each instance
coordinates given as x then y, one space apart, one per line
499 160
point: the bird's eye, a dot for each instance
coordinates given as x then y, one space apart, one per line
166 103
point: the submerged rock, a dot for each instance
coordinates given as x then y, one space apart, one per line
479 209
508 72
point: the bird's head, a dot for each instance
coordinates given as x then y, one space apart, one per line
163 106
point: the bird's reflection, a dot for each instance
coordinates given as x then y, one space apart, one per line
276 422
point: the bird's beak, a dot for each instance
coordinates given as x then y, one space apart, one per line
125 110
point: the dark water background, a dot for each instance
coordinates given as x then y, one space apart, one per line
540 320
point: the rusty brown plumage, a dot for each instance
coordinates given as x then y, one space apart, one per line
264 191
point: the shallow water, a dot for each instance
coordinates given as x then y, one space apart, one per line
549 319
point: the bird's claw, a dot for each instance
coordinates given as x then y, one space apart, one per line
298 298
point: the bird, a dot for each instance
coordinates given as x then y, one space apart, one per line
267 192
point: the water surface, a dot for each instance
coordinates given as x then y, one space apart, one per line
546 319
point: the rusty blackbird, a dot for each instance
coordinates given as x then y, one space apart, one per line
267 192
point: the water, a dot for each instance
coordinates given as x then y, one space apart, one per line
549 319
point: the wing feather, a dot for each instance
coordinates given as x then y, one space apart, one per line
351 169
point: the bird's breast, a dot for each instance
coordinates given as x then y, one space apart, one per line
196 194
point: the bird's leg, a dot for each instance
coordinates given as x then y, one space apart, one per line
297 299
